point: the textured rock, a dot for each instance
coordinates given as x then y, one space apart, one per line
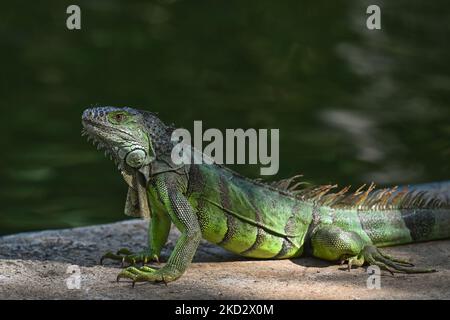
35 266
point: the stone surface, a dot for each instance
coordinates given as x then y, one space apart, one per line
37 266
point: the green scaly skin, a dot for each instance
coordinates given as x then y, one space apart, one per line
250 218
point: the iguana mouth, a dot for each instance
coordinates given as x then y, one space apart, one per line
88 131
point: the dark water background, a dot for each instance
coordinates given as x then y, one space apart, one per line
352 105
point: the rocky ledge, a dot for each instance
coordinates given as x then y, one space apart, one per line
63 264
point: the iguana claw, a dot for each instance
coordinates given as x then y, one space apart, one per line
148 274
352 261
373 256
124 255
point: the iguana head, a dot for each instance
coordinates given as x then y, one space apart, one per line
134 139
127 135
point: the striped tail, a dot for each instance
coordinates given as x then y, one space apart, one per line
388 216
423 215
430 224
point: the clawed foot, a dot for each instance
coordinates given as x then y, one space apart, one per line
373 256
146 274
125 255
353 261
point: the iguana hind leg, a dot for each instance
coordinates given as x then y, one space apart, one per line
334 244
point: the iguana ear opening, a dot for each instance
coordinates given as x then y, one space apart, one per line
136 204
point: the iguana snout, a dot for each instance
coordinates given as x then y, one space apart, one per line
121 132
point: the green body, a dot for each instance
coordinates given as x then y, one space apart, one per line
256 220
247 218
253 219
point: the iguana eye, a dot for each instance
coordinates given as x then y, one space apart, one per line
119 117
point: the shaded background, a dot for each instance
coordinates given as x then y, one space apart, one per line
352 105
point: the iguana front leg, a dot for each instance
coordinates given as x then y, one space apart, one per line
184 218
158 232
334 244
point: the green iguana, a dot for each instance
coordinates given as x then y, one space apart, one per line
248 217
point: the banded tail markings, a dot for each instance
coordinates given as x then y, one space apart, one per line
420 223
